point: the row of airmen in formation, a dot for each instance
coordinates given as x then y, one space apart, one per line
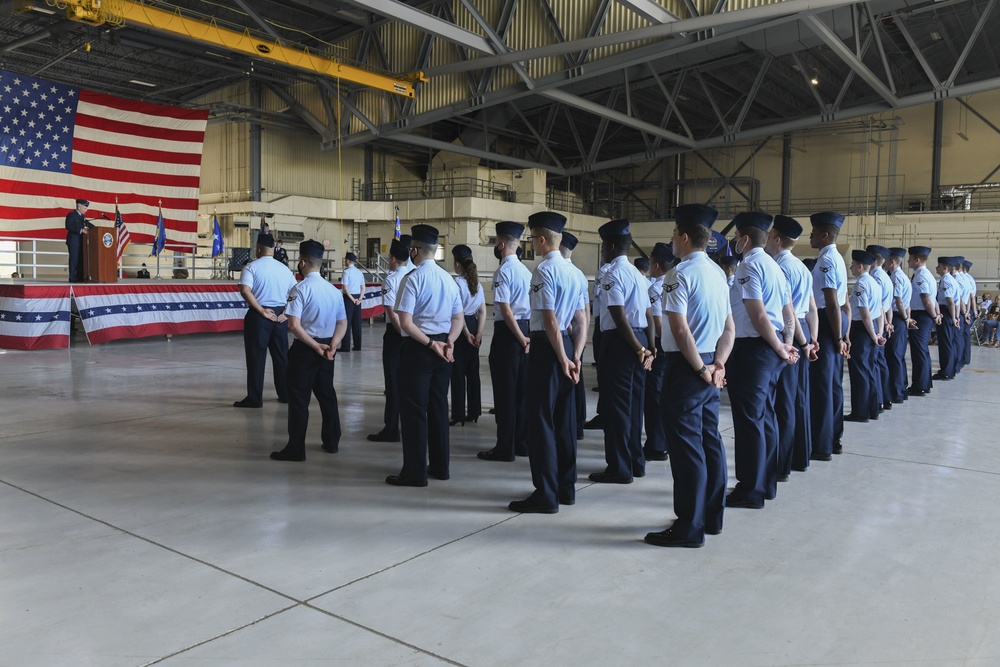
772 331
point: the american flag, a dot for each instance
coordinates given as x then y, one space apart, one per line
123 236
59 143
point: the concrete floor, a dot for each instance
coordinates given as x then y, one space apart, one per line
141 522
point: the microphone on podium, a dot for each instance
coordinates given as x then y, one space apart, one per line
105 216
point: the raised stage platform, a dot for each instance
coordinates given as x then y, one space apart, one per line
37 315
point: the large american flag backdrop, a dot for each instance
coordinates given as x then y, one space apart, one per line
59 143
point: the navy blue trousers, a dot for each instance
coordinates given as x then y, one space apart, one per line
391 343
826 391
353 324
423 410
947 335
880 375
752 372
690 416
581 404
74 245
785 403
656 438
802 447
551 424
622 380
261 335
465 376
861 365
895 356
966 338
309 373
920 355
509 373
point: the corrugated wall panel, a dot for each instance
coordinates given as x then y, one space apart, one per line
292 163
224 160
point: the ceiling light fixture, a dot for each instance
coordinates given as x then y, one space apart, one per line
42 10
142 83
814 80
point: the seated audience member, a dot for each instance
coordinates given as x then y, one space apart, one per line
14 275
143 272
985 301
990 324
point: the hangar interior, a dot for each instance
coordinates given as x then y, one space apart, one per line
143 523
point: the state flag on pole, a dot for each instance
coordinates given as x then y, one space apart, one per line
398 232
218 247
161 236
123 236
59 143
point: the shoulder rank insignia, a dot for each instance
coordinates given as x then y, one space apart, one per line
825 269
535 288
497 284
607 286
743 281
671 287
384 291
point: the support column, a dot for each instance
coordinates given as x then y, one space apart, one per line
936 156
255 150
786 173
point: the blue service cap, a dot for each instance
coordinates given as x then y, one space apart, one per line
810 263
547 220
698 214
947 261
966 263
311 248
730 260
786 226
756 219
424 234
400 250
405 239
461 250
614 228
919 250
863 257
663 253
641 263
897 252
351 256
508 228
717 243
880 250
959 260
827 218
569 241
83 202
265 240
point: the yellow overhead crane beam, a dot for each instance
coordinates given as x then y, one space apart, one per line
121 12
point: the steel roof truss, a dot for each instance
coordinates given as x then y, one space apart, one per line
831 39
972 40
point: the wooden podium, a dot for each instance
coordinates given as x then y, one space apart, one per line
100 255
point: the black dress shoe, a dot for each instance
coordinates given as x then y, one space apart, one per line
713 531
246 404
596 423
283 455
396 480
916 392
784 478
330 450
667 538
800 468
605 478
283 401
887 405
900 401
493 411
567 499
732 500
530 506
838 447
382 437
815 456
852 418
638 472
943 378
443 476
654 456
453 422
494 455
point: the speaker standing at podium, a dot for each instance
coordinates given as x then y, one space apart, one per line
76 227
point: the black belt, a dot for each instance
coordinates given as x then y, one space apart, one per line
438 337
321 341
524 321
